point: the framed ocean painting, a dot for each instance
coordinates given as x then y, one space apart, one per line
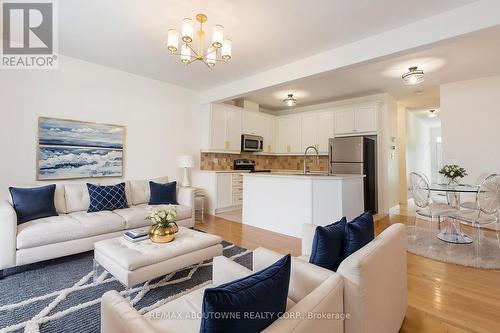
70 149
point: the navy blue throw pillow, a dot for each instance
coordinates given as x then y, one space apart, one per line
163 194
33 203
328 244
107 197
358 233
247 305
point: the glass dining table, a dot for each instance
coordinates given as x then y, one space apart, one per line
453 232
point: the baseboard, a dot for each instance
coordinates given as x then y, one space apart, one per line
1 274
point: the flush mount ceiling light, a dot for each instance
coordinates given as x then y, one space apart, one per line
218 50
413 76
432 114
290 101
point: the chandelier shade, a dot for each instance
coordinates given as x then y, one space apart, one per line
218 36
217 49
173 40
187 30
413 76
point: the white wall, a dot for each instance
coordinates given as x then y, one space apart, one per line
418 145
158 116
470 119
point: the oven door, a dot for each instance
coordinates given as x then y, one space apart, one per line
251 143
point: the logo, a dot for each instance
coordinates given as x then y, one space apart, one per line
28 35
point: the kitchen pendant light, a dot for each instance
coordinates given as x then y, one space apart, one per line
290 101
413 76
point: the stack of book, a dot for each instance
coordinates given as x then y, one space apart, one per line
136 235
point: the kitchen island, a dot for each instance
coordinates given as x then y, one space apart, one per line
282 202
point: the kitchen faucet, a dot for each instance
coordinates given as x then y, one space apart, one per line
305 158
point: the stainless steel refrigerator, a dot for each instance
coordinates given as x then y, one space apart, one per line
357 155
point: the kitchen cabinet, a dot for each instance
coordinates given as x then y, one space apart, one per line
325 130
253 122
270 134
356 120
222 128
344 121
317 128
366 119
289 134
224 190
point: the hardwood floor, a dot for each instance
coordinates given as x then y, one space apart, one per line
442 298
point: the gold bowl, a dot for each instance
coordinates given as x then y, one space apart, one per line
159 234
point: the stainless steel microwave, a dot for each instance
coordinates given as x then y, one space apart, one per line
252 143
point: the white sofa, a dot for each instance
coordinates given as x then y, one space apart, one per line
369 287
374 277
75 230
312 290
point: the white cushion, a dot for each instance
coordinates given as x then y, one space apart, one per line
131 256
183 212
48 230
134 216
188 304
140 189
98 223
59 200
77 197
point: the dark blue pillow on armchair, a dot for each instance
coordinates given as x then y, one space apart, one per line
163 194
328 244
33 203
108 197
358 233
247 305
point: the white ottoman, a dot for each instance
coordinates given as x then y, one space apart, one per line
133 263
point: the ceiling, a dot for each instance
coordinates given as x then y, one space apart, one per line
467 57
130 35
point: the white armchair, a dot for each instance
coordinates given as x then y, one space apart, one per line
313 290
374 277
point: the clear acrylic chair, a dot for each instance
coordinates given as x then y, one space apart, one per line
420 191
472 205
488 203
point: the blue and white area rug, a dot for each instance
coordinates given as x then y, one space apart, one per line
60 295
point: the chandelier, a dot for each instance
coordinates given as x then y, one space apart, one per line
218 50
413 76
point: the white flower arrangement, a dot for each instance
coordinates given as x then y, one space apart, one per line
163 217
453 171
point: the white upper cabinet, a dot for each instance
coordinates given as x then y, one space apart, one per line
217 131
222 128
289 134
325 130
251 123
317 128
366 118
309 130
356 120
270 134
233 129
344 121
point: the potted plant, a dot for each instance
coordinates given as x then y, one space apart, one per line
164 227
453 173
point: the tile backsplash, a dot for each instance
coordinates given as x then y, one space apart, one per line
221 162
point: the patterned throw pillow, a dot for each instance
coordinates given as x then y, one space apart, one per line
107 197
